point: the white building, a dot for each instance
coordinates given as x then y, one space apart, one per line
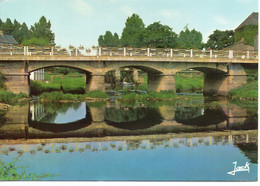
37 75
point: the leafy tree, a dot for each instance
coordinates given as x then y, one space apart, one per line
1 24
36 42
160 36
189 39
42 30
132 32
8 26
108 39
220 39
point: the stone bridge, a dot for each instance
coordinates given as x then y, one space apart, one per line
221 74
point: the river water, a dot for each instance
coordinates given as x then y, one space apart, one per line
193 138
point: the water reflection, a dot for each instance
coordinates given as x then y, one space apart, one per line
34 120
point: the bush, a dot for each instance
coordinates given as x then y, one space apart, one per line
247 91
96 94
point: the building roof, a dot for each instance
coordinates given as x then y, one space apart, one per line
251 20
7 39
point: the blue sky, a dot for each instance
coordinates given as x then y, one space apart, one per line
80 22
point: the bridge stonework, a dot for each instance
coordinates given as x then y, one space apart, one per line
221 75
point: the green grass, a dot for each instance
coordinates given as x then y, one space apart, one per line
10 97
188 83
73 85
248 91
58 96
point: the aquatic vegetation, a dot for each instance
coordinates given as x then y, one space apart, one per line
11 149
20 152
57 150
63 147
207 143
194 144
120 148
201 140
5 152
143 147
81 150
166 146
175 145
9 171
94 149
113 146
32 152
88 147
153 147
47 151
71 150
181 142
39 148
104 149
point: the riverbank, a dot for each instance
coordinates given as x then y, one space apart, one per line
248 91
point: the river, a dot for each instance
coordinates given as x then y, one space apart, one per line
193 138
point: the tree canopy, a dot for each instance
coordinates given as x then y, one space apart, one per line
220 39
160 36
40 33
189 39
132 32
109 39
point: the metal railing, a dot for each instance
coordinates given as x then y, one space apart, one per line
127 51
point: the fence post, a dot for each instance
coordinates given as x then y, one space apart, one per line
191 52
148 51
210 53
24 50
52 50
171 52
247 54
99 51
124 51
76 51
230 54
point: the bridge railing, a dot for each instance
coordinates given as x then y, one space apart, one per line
128 51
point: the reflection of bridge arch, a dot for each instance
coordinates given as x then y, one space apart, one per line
151 118
66 127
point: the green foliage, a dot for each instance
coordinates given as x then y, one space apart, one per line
220 39
10 97
159 36
39 35
248 33
190 39
74 85
11 172
132 32
185 83
96 94
248 91
36 42
109 40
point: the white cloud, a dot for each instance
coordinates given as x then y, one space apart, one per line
82 7
127 10
170 14
221 20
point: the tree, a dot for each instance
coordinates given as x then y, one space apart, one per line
189 39
160 36
1 24
132 32
220 39
42 30
108 39
8 26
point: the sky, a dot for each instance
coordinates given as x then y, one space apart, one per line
80 22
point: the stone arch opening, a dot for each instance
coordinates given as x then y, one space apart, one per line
199 80
62 78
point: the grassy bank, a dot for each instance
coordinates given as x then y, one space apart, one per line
248 91
59 96
71 83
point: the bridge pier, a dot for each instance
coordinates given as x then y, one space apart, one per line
95 82
161 82
18 82
221 84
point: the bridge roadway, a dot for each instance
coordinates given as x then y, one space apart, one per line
221 74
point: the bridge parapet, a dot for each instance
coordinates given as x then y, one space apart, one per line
128 51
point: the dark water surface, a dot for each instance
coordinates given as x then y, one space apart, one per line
193 138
